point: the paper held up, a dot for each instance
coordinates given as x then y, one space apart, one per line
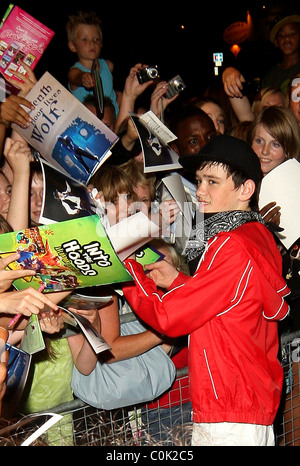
132 233
282 186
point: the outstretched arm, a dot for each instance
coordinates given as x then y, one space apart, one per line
18 156
233 86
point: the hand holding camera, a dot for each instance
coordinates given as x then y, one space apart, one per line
175 86
149 73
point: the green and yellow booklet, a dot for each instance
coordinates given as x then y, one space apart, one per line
69 255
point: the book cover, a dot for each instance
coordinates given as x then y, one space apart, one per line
65 132
22 38
63 197
65 255
154 138
76 253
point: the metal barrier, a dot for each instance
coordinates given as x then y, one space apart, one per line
287 425
169 422
83 425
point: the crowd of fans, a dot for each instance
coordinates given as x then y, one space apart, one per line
268 122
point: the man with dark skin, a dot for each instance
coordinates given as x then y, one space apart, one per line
193 128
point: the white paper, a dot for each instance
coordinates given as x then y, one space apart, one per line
132 233
282 185
175 186
157 127
53 420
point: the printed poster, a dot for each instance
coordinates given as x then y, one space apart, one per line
65 132
154 138
22 39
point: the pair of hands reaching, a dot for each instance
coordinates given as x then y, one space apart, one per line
53 321
133 89
26 302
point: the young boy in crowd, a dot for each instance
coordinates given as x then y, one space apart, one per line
285 35
229 307
85 39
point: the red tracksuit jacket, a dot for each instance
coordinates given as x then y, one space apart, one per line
230 308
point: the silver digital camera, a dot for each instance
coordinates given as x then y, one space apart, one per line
175 86
147 74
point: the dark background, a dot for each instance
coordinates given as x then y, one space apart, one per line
150 32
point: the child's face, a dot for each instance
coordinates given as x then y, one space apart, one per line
275 99
87 42
288 39
5 192
216 113
36 197
144 197
216 191
269 151
119 209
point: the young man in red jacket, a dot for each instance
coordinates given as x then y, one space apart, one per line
230 305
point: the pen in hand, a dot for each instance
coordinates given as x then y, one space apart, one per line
17 316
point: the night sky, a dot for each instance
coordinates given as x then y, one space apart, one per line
152 33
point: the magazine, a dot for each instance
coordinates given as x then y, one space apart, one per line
74 254
22 39
154 138
86 301
65 255
94 338
65 132
63 197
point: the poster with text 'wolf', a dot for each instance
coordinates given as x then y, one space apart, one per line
68 135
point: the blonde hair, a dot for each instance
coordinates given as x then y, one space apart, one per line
160 243
112 181
261 97
83 17
135 171
282 125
